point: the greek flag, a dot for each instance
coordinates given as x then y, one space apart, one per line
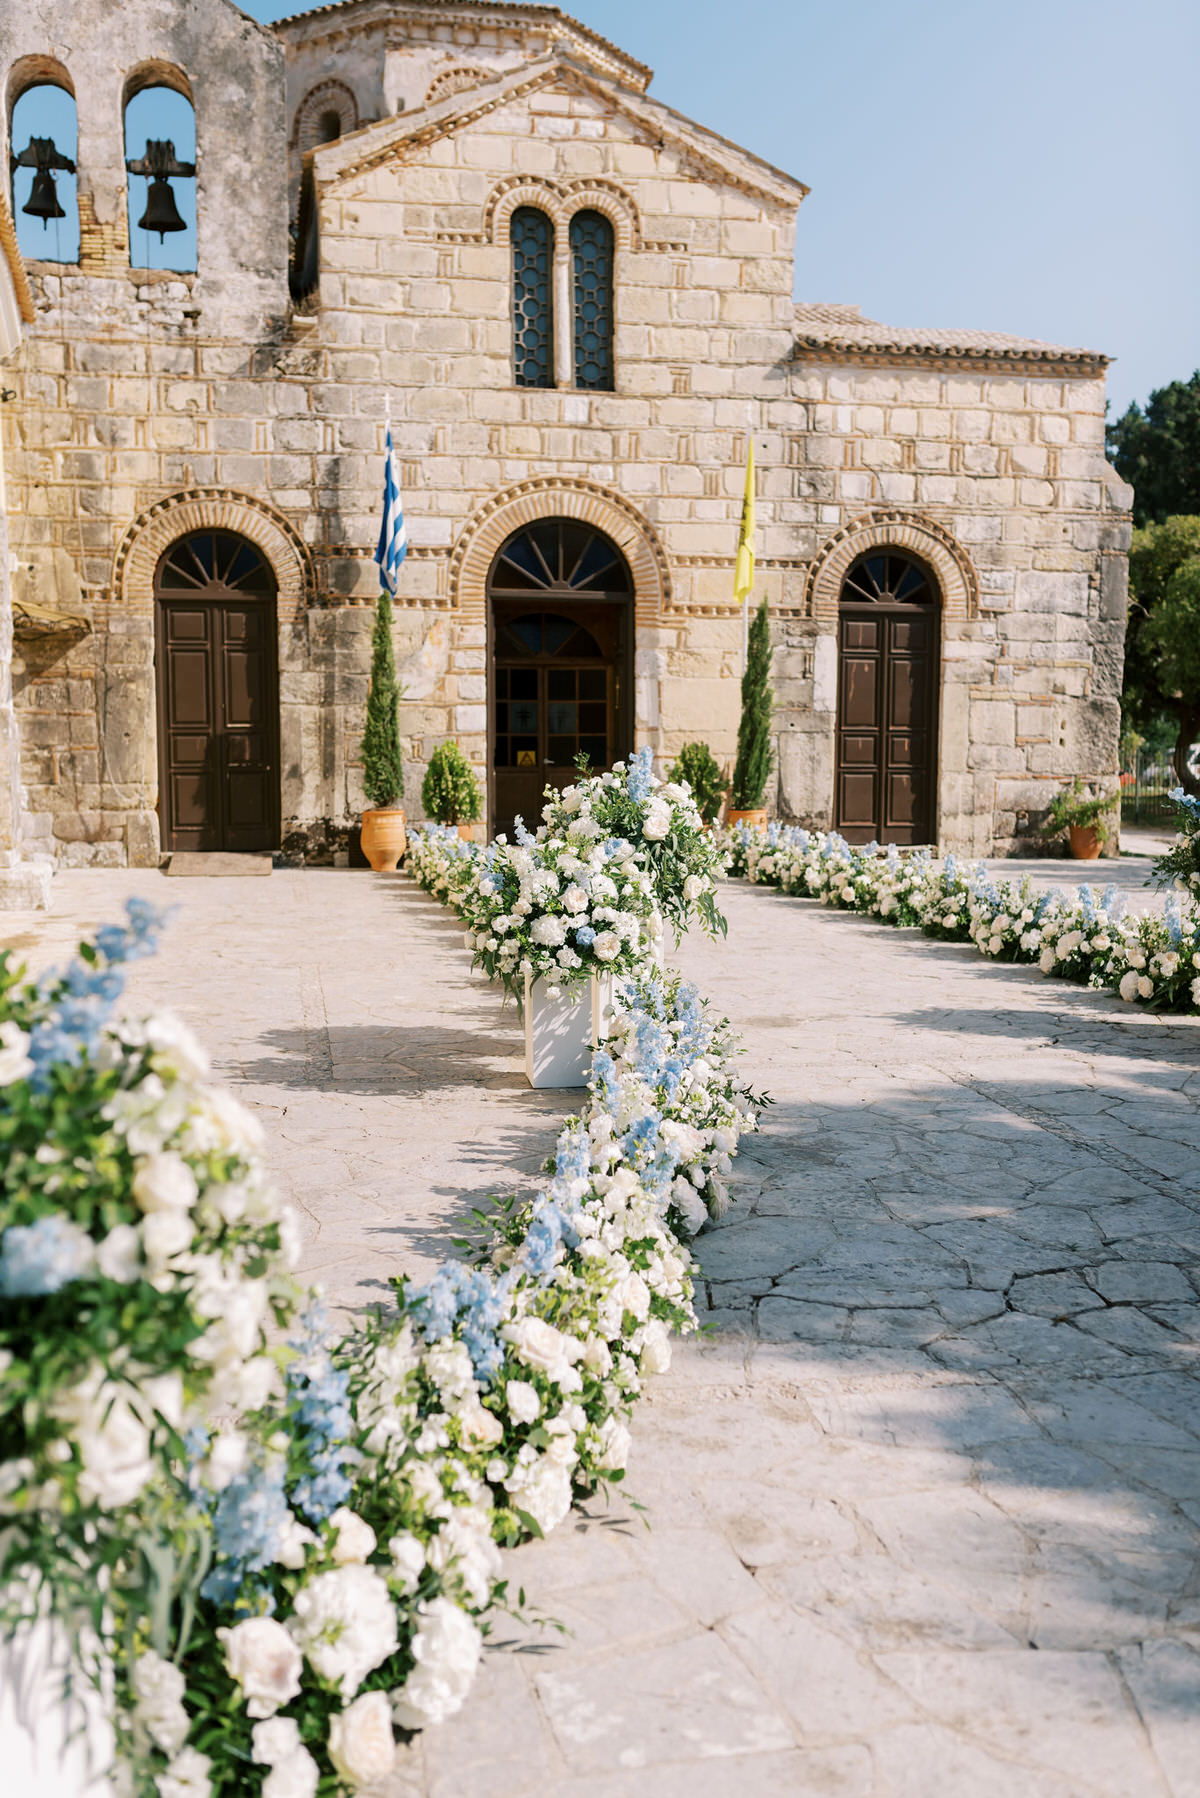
393 537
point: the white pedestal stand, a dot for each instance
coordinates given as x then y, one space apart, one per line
559 1033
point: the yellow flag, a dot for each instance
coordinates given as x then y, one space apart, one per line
743 576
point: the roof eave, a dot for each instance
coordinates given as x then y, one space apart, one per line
980 359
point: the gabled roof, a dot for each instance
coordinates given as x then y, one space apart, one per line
728 162
828 333
611 57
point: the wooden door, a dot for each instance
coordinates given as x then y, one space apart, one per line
218 698
887 709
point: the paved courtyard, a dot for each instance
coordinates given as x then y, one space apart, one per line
923 1503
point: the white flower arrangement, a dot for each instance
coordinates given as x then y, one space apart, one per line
1153 959
327 1515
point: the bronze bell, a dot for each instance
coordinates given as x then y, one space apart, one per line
161 214
43 199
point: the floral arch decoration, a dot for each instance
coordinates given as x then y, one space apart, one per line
152 534
923 537
552 497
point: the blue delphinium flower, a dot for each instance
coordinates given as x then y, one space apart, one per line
40 1258
77 1014
471 1300
1173 919
639 777
248 1522
319 1395
1085 900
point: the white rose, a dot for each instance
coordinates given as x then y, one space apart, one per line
634 1295
408 1560
14 1062
480 1427
159 1687
345 1623
522 1401
1145 987
549 931
296 1776
575 899
292 1541
656 1347
546 1350
119 1255
274 1740
613 1449
164 1182
657 821
361 1745
226 1459
446 1650
186 1777
113 1441
355 1540
262 1658
164 1235
1128 988
607 946
693 888
541 1488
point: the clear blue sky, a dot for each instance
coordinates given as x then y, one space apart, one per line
1016 165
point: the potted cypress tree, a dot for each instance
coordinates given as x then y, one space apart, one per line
698 765
450 791
752 770
383 836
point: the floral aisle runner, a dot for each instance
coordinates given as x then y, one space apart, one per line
1154 959
278 1550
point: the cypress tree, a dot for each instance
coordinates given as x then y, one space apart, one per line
752 769
383 766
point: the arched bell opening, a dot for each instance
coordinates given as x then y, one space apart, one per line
160 157
218 695
561 641
889 616
44 140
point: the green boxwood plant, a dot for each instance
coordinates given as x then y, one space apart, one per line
450 790
697 765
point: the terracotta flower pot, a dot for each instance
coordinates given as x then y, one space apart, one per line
1086 842
465 831
756 818
383 838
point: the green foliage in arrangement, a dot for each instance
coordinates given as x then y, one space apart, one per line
697 765
450 790
1180 866
1077 806
1162 642
383 762
752 770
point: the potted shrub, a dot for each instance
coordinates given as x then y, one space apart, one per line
383 836
450 790
752 770
697 765
1081 815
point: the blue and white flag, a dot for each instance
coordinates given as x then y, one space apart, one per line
393 537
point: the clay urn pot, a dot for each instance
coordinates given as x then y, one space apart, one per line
383 838
1085 842
755 818
465 831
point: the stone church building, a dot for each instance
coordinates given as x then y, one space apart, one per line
576 306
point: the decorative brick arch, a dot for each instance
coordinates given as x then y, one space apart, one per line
560 201
327 96
208 508
923 537
555 497
456 80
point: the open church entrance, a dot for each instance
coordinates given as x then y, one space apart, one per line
561 615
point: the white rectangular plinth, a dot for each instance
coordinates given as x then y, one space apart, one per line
559 1033
46 1746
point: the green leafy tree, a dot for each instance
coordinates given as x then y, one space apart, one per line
383 764
698 765
1158 451
752 769
450 791
1163 643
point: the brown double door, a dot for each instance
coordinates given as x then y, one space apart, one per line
886 752
217 699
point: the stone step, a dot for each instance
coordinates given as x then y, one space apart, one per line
216 863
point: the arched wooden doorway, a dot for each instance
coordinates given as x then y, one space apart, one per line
886 778
561 610
218 695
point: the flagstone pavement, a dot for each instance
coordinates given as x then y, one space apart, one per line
922 1504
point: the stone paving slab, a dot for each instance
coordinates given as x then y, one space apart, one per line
923 1502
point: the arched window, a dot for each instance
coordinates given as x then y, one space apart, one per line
44 146
327 112
592 296
329 126
160 155
533 308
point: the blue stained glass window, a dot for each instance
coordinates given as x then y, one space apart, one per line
533 308
592 274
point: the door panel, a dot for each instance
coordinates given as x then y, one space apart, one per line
217 723
885 783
